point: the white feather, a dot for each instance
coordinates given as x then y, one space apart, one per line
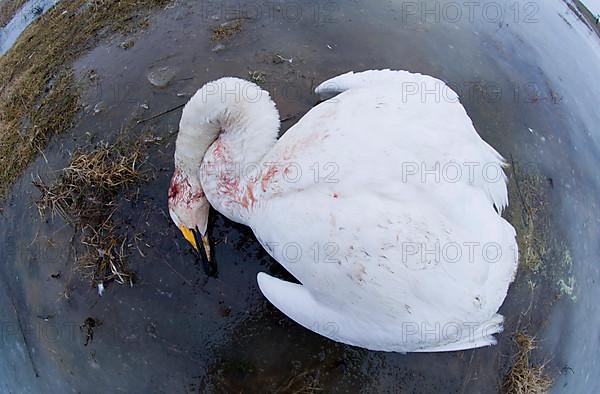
362 287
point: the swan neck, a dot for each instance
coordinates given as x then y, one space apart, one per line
233 110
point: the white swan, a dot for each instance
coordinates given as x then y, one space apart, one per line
383 202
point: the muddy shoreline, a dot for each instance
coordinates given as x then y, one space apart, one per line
39 95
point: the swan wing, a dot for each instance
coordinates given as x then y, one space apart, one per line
413 89
296 302
375 249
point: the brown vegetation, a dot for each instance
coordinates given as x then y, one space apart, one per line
8 8
84 195
524 377
38 94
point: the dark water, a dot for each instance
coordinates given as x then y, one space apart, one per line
528 77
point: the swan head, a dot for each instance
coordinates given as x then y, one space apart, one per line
225 107
188 206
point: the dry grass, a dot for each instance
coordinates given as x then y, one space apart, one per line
38 95
534 238
84 195
543 254
306 382
226 30
257 76
523 376
8 8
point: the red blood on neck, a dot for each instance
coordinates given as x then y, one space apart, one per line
173 190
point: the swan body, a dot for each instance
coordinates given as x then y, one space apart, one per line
390 252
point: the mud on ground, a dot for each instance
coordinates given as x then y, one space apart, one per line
38 93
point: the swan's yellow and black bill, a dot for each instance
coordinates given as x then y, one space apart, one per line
189 236
198 241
